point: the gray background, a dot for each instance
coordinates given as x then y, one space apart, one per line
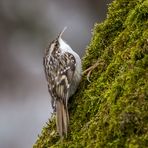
26 27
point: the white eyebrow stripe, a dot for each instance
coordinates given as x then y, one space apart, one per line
51 48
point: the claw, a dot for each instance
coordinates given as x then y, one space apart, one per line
90 69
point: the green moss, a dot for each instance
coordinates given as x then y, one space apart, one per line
112 110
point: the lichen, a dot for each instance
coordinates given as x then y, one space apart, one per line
112 109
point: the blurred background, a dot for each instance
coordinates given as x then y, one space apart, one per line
26 27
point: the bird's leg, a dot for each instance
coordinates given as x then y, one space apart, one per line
90 69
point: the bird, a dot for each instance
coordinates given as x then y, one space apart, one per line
63 71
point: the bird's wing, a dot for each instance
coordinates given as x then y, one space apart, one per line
66 69
59 74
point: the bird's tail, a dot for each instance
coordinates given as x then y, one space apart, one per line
62 118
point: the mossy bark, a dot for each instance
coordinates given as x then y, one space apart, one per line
112 109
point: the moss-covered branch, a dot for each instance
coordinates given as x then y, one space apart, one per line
112 110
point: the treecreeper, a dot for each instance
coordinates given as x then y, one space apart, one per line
63 72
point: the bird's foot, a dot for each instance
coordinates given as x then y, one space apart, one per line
89 70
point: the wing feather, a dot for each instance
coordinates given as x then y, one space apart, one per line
59 74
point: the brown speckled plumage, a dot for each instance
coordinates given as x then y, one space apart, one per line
63 73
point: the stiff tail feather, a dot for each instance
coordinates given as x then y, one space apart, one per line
62 118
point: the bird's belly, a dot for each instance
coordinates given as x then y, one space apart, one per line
75 83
